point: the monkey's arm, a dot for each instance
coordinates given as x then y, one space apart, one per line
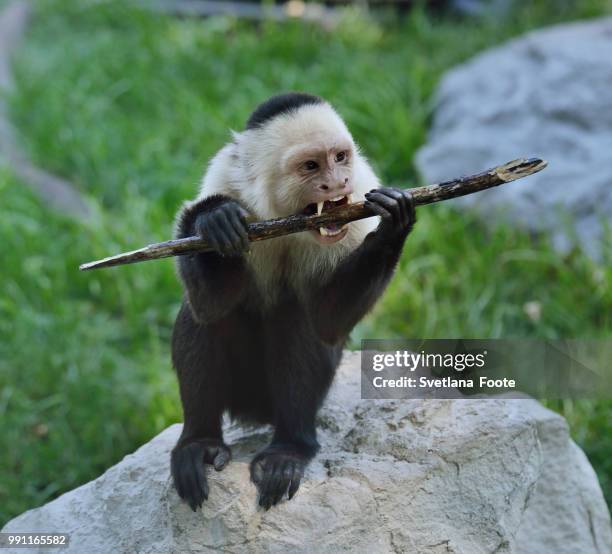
361 278
215 281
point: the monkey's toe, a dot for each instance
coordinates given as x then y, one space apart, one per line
187 465
276 475
216 453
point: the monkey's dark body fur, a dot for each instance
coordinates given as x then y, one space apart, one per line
269 362
270 365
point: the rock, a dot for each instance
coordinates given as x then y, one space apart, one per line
546 94
433 476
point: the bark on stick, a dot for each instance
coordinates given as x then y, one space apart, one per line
272 228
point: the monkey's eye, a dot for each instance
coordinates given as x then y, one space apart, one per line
311 165
340 156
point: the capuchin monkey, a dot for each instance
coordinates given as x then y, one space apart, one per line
262 326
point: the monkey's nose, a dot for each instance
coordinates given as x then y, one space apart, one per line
340 187
344 187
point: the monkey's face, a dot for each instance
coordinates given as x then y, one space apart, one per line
300 162
317 176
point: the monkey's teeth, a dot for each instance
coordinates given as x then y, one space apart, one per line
337 198
320 207
349 199
323 231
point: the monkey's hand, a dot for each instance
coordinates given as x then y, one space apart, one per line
276 472
396 210
187 465
225 227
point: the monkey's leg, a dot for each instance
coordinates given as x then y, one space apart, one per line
299 377
203 390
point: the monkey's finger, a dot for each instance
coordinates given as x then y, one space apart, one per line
209 233
410 207
181 471
274 484
267 486
375 197
229 237
293 487
197 491
278 485
289 470
390 192
224 243
243 216
257 473
295 483
201 482
378 210
285 472
241 229
209 453
399 198
264 500
194 493
222 458
201 223
217 223
178 484
390 204
288 473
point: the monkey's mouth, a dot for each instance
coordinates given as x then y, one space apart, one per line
330 233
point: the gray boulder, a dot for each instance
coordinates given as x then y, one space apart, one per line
547 94
423 476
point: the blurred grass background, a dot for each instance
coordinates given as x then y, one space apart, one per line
129 106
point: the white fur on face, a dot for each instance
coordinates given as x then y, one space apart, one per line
253 170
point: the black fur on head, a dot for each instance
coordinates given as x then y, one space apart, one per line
278 105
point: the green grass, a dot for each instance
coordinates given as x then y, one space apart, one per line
84 376
130 106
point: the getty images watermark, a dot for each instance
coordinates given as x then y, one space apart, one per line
514 368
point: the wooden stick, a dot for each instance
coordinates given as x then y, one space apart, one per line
263 230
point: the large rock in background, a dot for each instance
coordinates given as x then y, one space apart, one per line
547 94
433 476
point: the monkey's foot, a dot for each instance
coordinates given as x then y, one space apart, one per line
277 471
187 465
